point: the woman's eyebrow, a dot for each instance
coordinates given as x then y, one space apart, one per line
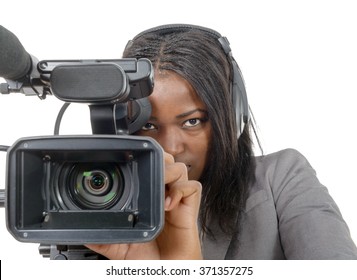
183 115
186 114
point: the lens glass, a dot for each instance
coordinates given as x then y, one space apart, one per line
95 187
95 181
89 185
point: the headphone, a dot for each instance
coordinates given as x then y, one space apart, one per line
237 87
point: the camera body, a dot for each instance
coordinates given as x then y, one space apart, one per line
102 188
85 189
67 191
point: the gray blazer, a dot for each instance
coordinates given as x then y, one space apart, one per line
288 215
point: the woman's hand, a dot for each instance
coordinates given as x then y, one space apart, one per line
180 237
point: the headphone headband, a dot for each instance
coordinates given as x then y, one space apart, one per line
174 28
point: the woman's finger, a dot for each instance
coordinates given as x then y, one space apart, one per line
185 192
176 171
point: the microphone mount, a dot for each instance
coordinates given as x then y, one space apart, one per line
30 85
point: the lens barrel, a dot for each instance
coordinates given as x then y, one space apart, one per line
88 185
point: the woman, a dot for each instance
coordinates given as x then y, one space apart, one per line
269 207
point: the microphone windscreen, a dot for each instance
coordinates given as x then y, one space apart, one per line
15 62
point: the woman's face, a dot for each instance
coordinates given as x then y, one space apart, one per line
179 122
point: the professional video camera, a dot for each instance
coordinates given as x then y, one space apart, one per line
65 191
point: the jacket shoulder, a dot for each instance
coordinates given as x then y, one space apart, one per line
309 221
286 157
275 169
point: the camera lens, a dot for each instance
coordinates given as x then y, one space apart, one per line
96 181
92 186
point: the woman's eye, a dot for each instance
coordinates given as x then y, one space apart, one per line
192 122
148 126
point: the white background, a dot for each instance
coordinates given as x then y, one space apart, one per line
298 58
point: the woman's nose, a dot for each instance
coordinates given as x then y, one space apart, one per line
171 140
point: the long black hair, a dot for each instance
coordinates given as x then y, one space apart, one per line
198 57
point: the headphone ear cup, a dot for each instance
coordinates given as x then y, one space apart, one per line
239 94
240 99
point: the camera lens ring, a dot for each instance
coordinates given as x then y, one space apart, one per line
69 193
85 195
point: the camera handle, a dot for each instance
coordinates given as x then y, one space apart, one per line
68 252
102 119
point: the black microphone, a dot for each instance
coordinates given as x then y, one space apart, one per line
15 62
